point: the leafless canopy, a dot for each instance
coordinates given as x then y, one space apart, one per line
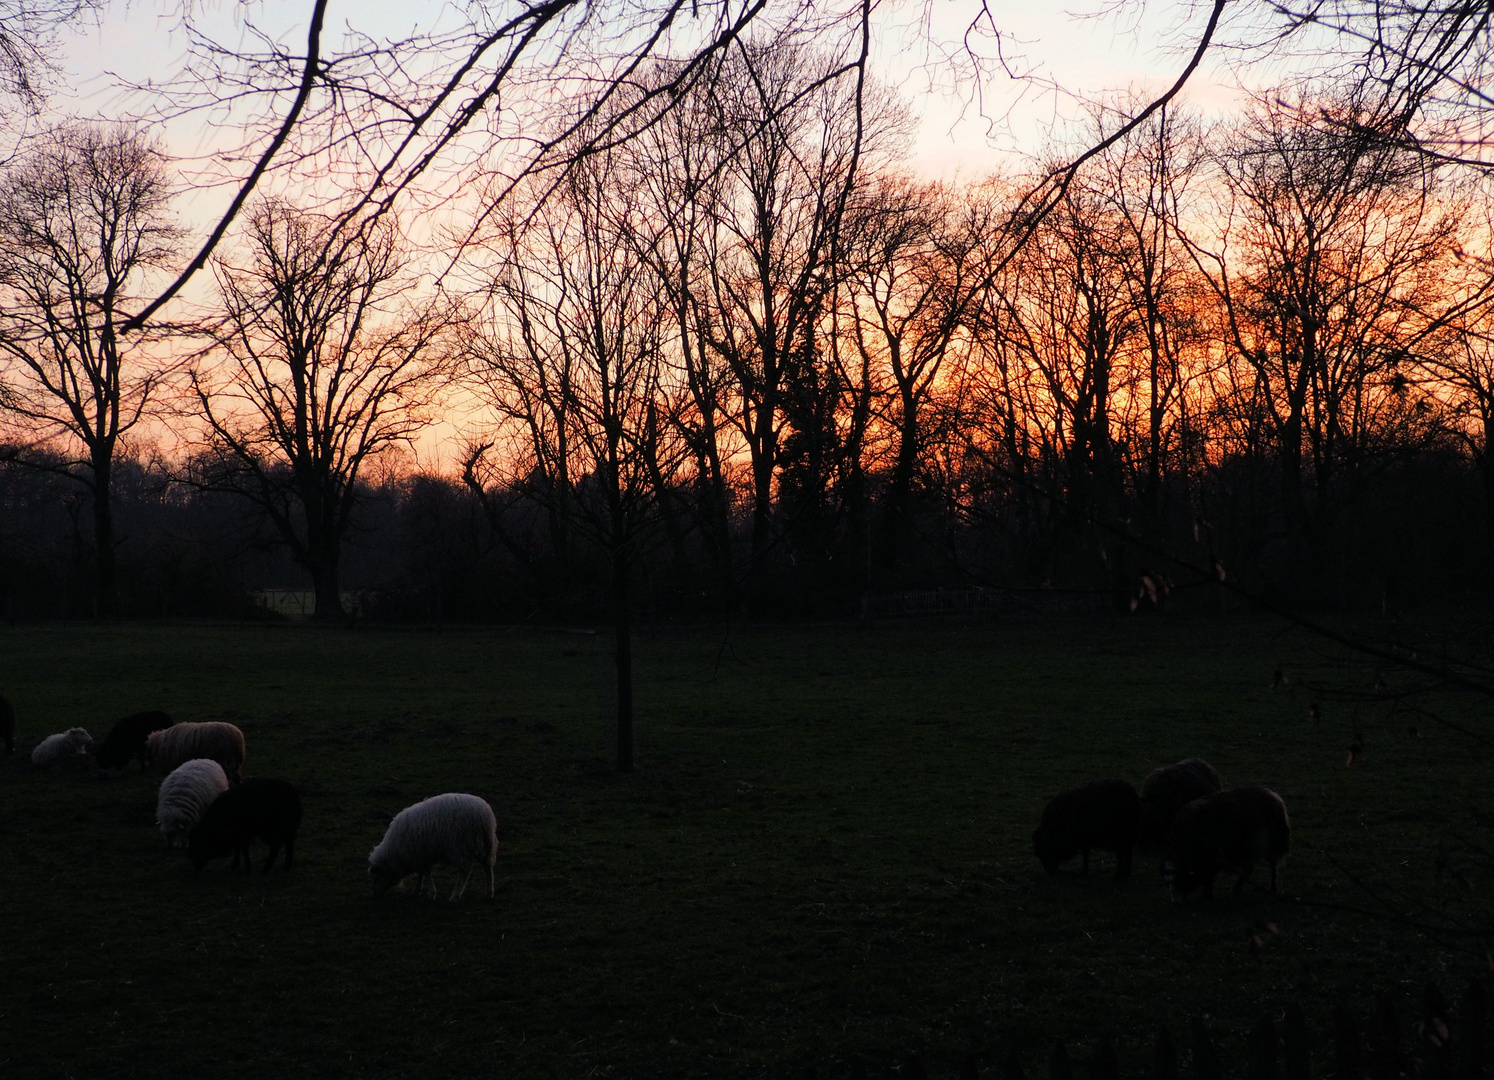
318 368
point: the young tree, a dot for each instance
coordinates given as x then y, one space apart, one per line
321 363
84 219
573 359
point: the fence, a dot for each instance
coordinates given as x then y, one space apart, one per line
970 600
1442 1044
300 603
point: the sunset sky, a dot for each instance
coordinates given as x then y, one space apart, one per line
1071 55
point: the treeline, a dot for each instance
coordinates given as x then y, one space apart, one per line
733 360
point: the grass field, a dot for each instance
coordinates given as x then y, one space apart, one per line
823 857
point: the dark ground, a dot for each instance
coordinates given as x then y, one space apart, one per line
823 857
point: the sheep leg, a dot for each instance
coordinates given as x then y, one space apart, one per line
430 883
290 849
270 860
461 886
1273 879
490 881
1244 873
1122 864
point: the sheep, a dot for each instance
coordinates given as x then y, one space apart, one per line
8 725
126 739
1229 830
67 746
454 829
186 794
214 739
259 808
1166 791
1102 814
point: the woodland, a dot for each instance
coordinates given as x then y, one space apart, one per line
546 317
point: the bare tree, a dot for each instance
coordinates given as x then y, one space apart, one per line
28 39
574 359
84 219
1145 180
916 287
321 364
1329 272
774 237
1418 69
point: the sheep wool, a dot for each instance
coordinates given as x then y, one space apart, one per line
214 739
1104 814
1167 790
185 794
453 829
1230 830
65 746
126 739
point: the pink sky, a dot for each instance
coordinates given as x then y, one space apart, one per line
1144 46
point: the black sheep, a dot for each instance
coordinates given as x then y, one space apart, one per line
258 809
1229 830
126 739
1166 791
1103 814
8 725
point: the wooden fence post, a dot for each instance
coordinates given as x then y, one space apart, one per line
1472 1033
1385 1042
1164 1057
1295 1054
1205 1060
1262 1048
1346 1044
1102 1065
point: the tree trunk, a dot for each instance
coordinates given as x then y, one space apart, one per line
327 593
103 536
623 657
763 462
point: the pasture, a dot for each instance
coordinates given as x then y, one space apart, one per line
824 857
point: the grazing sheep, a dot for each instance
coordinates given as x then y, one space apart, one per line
214 739
453 829
8 725
260 808
1229 830
66 746
126 739
1103 814
1166 791
185 794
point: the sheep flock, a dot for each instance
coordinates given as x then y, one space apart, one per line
206 804
1182 813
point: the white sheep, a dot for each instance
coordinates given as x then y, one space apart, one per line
222 742
185 794
65 746
452 829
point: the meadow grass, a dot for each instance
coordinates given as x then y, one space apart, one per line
824 856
